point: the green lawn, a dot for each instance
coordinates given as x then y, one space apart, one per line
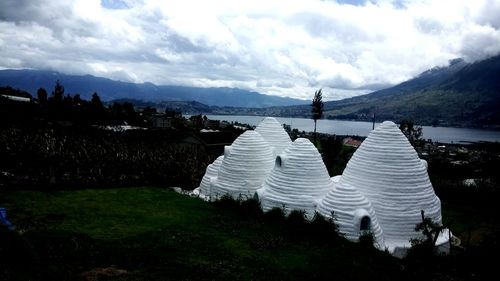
157 234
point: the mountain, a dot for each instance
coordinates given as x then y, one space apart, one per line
31 80
461 94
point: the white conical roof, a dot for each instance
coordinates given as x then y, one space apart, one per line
212 170
244 168
387 171
298 181
272 131
349 207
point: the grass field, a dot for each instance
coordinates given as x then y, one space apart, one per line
157 234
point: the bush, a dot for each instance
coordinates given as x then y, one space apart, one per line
324 227
275 215
227 202
251 208
367 240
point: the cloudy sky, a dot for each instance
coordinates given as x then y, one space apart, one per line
288 48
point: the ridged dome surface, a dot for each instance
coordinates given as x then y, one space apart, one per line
212 170
298 181
272 131
246 164
349 207
387 171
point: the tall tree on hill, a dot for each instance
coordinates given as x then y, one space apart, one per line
96 101
42 95
58 92
97 108
317 109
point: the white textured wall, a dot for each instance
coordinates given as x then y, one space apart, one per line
272 131
212 170
349 206
387 171
299 182
245 166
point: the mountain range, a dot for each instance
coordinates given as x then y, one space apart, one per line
107 89
461 94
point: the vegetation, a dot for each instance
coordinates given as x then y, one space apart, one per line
62 141
412 132
66 232
157 234
317 109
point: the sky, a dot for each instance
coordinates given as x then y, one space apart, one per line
279 47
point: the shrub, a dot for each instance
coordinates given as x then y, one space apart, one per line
275 215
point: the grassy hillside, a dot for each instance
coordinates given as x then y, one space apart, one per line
156 234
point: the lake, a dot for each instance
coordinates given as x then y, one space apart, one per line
357 128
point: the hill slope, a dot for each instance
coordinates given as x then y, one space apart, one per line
461 95
31 80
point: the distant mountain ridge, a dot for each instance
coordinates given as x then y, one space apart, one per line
85 85
461 94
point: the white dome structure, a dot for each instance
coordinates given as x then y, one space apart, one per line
387 171
272 131
203 191
246 164
351 211
298 181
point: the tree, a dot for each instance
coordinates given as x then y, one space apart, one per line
96 101
42 95
412 132
317 109
58 92
77 100
97 108
431 231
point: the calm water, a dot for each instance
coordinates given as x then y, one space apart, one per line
441 134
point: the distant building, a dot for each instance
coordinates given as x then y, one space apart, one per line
16 98
212 123
162 122
352 142
213 142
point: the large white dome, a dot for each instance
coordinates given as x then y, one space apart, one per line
387 171
298 181
246 164
272 131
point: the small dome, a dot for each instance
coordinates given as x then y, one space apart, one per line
351 211
272 131
298 181
245 166
212 170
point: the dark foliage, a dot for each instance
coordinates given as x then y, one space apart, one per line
335 155
54 157
367 240
412 132
275 215
317 109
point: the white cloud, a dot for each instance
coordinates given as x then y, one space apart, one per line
283 47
